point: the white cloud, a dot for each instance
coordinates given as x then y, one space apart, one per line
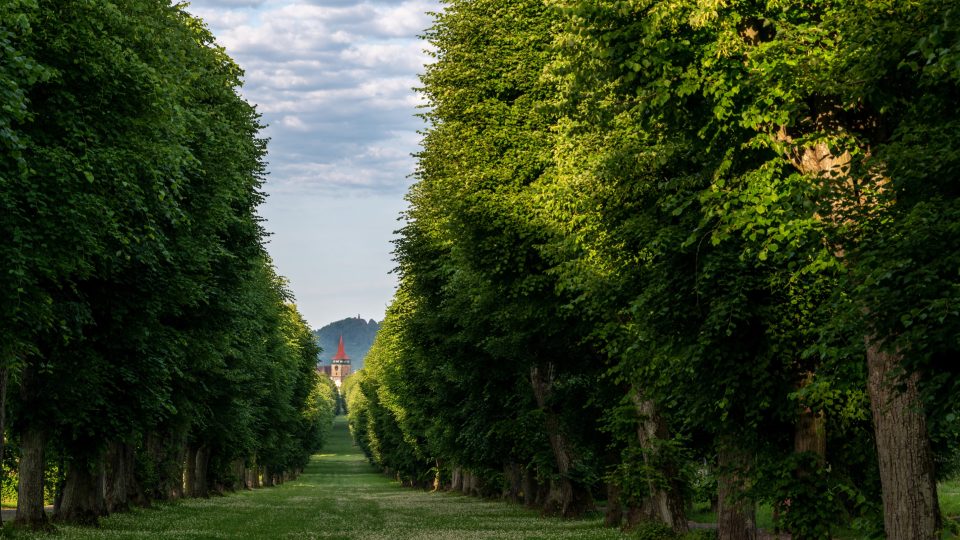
393 56
219 18
334 80
294 123
226 3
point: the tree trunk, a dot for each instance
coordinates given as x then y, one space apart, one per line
438 477
664 504
513 482
135 493
190 471
83 495
910 506
811 431
574 500
810 435
117 497
736 515
30 512
456 479
613 516
61 483
201 486
255 477
267 477
239 479
529 487
544 491
467 487
165 451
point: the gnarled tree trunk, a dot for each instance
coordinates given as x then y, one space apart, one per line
84 500
903 446
135 493
166 452
572 500
116 495
736 515
513 482
664 504
239 478
254 476
529 487
268 477
190 471
456 479
469 481
30 512
613 516
910 506
201 485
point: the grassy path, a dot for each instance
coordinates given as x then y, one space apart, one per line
340 497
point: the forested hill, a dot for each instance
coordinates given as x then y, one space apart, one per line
357 334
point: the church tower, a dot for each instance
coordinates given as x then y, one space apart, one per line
340 367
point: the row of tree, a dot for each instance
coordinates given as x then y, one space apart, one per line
148 349
656 242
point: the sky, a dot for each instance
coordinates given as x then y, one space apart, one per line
334 81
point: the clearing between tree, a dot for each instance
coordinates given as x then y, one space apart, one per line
340 496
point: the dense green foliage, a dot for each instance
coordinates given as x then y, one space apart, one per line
653 243
143 326
358 336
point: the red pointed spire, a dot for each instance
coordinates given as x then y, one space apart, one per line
341 354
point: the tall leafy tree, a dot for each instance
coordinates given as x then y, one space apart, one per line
148 323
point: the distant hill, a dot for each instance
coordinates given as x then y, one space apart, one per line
357 334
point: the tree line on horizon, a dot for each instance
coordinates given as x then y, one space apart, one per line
659 251
148 348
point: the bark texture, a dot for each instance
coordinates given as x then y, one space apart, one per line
665 503
613 516
529 487
903 447
255 477
268 477
456 479
810 435
84 498
736 519
910 506
201 483
190 471
165 451
117 468
513 482
30 488
571 500
239 474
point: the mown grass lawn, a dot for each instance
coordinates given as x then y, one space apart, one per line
950 498
338 497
